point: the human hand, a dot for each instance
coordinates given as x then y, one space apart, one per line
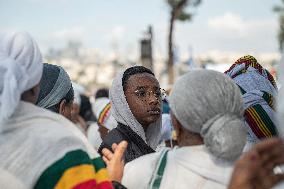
255 168
114 161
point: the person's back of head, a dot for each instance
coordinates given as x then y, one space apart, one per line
20 71
102 93
56 91
209 103
259 91
86 111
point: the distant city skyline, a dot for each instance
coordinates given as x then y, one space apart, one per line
219 26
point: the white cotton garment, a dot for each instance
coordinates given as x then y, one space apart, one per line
9 181
20 69
186 167
34 138
94 136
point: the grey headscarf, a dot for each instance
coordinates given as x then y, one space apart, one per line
122 114
209 103
60 88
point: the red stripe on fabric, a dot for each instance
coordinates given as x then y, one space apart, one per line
90 184
105 185
254 125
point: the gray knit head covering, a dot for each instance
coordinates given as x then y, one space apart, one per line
122 114
209 103
55 84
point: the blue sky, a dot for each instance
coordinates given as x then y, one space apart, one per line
243 26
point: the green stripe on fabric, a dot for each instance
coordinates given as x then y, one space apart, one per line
268 98
265 96
266 119
242 90
160 172
53 173
98 164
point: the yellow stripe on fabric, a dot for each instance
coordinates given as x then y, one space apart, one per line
250 111
75 176
103 113
102 176
261 123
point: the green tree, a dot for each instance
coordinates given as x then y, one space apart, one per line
280 10
177 12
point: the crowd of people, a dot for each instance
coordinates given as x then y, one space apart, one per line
211 130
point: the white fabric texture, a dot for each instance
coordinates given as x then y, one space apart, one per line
9 181
94 136
20 70
122 114
59 90
34 138
210 103
98 106
187 167
78 89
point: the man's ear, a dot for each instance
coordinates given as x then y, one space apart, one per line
176 124
62 106
35 90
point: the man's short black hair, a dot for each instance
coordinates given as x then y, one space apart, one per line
133 71
103 92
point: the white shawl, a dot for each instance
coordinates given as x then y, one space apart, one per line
34 138
187 167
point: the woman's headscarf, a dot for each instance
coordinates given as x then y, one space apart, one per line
122 114
54 86
259 91
101 108
20 70
209 103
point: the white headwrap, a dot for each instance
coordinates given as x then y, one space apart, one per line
78 90
101 108
122 114
20 70
209 103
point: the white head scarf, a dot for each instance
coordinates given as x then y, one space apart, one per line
101 108
122 114
209 103
20 70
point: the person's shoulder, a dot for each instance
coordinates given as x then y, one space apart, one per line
131 174
149 159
